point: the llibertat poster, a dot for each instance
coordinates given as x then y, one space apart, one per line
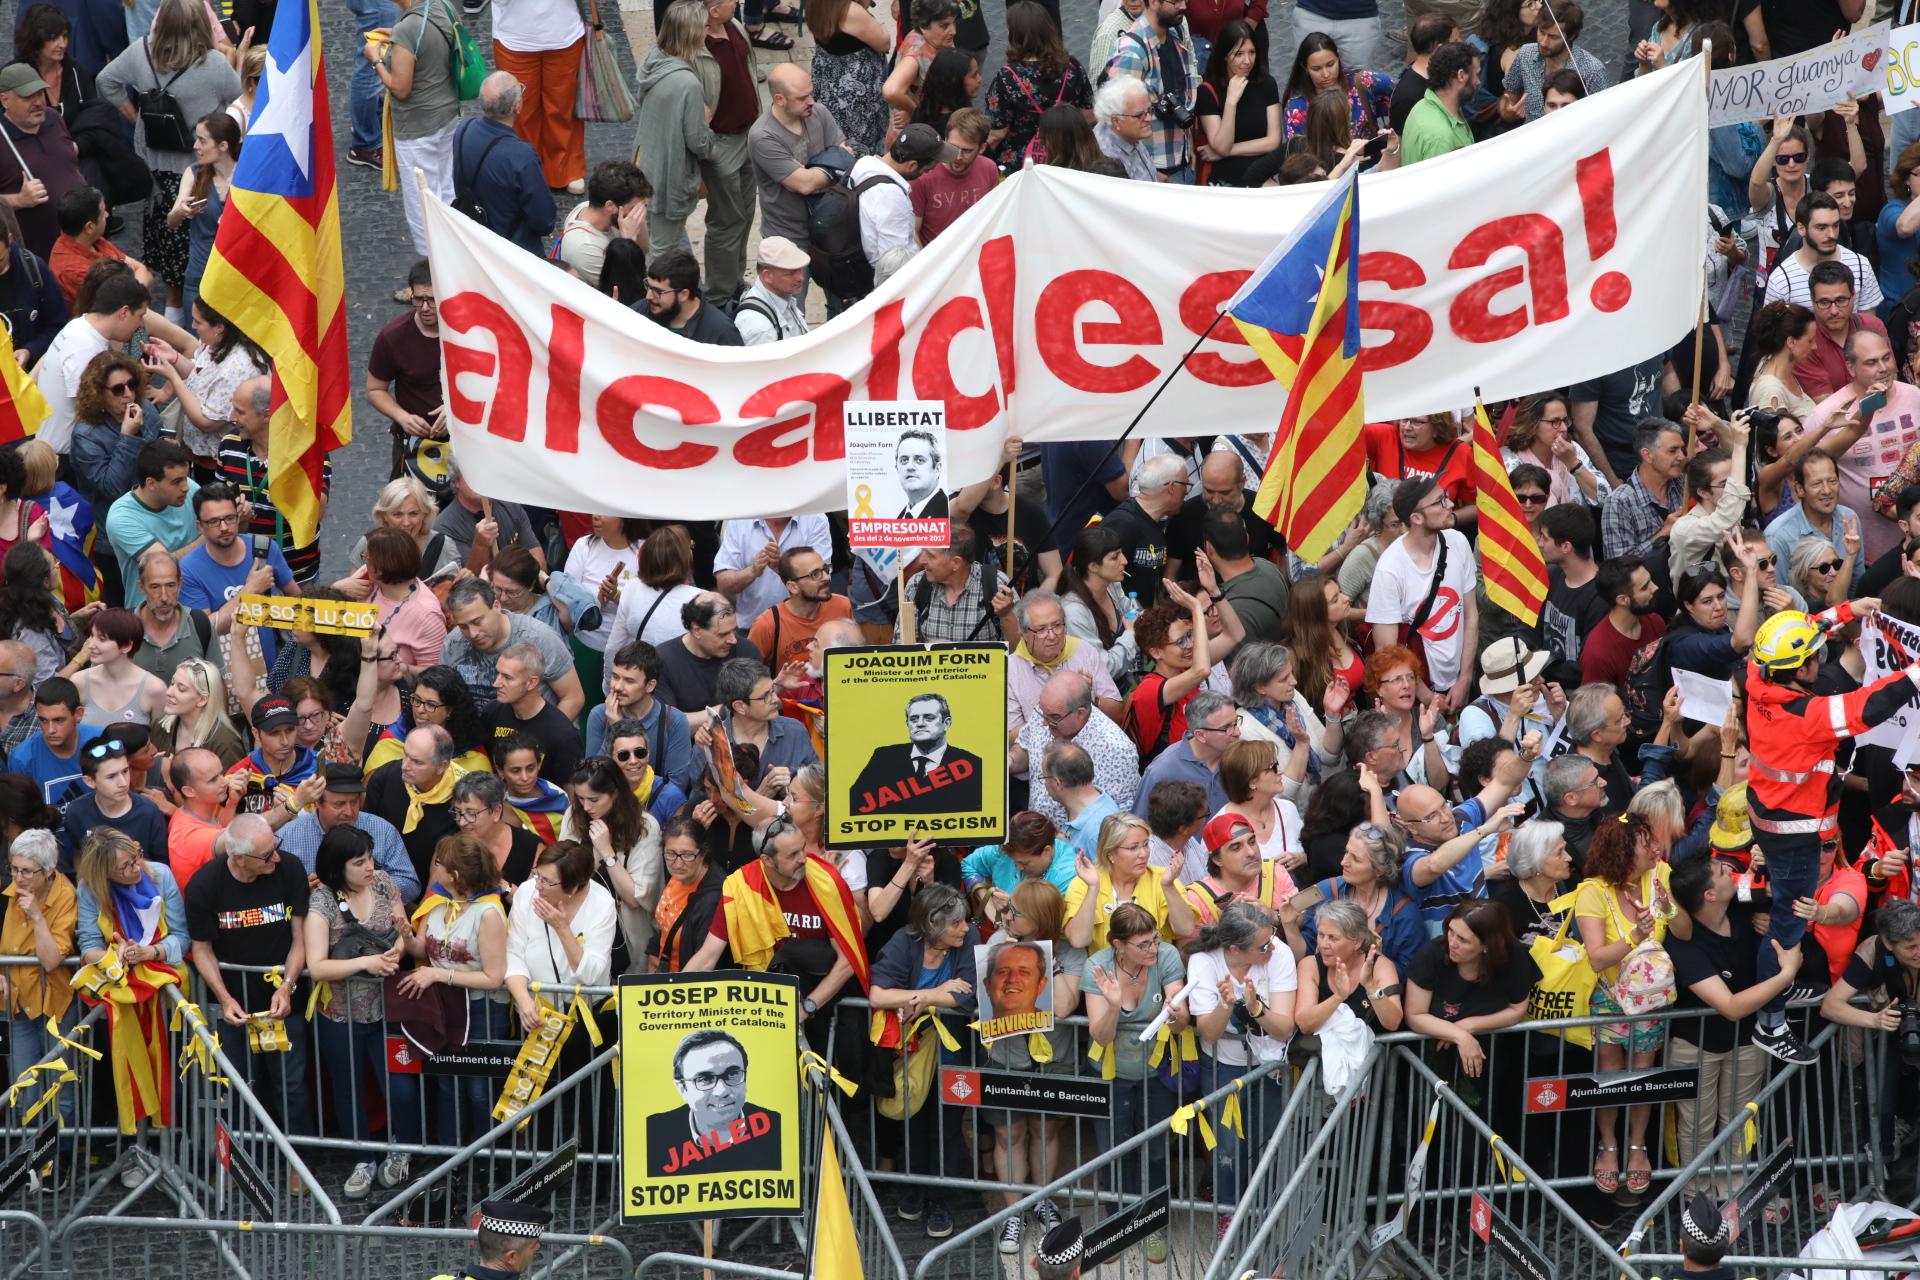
709 1096
916 744
897 474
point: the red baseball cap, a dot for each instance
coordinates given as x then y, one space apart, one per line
1222 829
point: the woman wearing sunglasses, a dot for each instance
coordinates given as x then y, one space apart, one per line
1819 573
657 794
111 423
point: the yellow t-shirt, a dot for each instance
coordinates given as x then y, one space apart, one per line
1595 900
1147 893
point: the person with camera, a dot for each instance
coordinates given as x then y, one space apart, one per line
1123 122
1158 52
1886 970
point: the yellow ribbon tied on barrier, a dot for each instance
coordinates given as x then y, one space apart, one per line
819 1072
59 1073
1039 1048
1750 1131
195 1049
1502 1170
1230 1115
319 997
580 1009
1186 1115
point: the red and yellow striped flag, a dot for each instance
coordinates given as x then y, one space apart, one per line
22 407
276 269
1301 313
1510 560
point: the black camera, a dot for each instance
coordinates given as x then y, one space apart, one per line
1172 111
1910 1033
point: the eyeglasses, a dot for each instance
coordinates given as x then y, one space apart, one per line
1827 567
1264 949
660 291
1532 499
1833 304
1055 721
273 851
1049 629
315 717
464 816
219 522
1216 728
690 855
1790 157
120 388
422 300
708 1081
630 753
419 703
28 871
1137 115
811 574
1184 642
1405 677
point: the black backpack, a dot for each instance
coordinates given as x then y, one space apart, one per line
833 229
465 199
168 128
1650 675
747 302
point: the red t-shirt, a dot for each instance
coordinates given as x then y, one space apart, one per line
1144 714
938 197
1825 371
1606 655
796 904
1453 463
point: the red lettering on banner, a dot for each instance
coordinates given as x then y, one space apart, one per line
998 274
510 371
1411 327
1595 173
826 392
626 397
883 374
566 349
933 366
1199 306
1545 246
1059 333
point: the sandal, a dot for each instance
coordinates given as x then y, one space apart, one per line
764 39
1638 1180
790 16
1607 1180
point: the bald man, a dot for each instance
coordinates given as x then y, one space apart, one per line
1450 849
1223 483
16 694
793 128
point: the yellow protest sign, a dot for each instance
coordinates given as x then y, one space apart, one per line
916 743
296 613
709 1096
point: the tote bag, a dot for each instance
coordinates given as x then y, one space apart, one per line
603 96
1565 989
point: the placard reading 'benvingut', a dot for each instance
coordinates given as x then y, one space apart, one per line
916 744
709 1096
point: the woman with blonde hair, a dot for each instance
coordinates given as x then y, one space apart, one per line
133 908
180 55
408 505
253 65
193 713
1121 875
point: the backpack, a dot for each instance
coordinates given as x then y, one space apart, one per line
746 303
1650 675
166 122
466 66
465 199
833 231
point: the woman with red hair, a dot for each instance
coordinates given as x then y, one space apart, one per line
1396 681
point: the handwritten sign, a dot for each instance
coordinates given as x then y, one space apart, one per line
293 613
1800 83
1888 646
1901 92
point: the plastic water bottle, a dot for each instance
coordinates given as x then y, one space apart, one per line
1133 606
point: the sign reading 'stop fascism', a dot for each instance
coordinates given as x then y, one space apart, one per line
709 1096
916 744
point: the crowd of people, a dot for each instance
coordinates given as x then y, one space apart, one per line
1256 793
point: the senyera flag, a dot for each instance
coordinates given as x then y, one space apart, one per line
22 407
1301 312
1510 559
276 269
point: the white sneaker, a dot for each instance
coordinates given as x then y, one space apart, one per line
132 1176
395 1169
359 1182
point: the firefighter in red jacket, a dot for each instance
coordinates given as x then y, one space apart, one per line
1792 784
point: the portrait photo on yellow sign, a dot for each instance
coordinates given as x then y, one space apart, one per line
916 744
709 1096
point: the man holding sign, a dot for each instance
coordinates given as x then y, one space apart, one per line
225 566
1794 786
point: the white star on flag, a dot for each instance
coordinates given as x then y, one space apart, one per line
289 109
60 518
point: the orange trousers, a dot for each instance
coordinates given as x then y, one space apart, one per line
547 122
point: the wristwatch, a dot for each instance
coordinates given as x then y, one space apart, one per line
809 1006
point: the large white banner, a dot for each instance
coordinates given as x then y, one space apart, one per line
1564 250
1801 83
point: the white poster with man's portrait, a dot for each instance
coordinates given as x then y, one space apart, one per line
897 473
1016 987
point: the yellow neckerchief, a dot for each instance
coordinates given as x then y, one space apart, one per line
1066 651
417 801
643 789
437 896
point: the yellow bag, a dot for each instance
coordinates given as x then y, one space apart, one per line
915 1063
1565 989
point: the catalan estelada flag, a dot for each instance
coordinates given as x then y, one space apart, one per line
1510 559
22 407
1301 312
276 270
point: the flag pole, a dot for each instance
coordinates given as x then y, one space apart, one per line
1052 528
